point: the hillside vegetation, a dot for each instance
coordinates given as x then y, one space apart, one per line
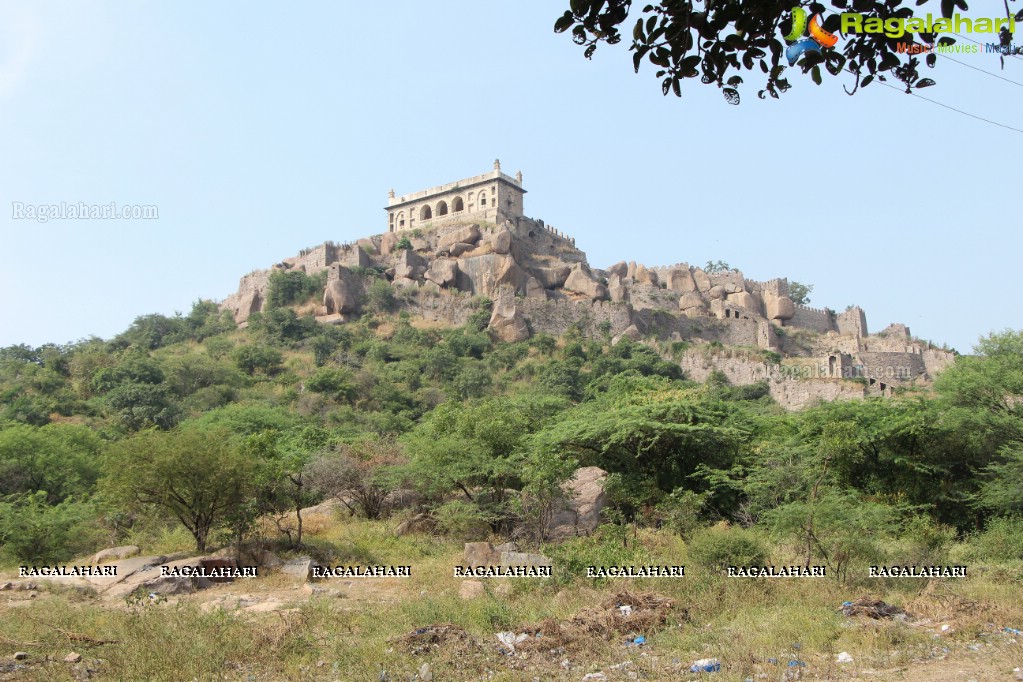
185 431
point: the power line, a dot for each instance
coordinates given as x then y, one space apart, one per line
971 66
946 106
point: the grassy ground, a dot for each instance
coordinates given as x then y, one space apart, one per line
367 630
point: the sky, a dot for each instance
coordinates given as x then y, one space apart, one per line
257 131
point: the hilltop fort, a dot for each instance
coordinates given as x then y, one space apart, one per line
447 247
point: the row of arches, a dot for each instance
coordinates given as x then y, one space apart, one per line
426 212
440 209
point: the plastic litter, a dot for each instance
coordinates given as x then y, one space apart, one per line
510 639
1013 631
796 663
638 641
706 665
844 657
625 609
946 627
594 676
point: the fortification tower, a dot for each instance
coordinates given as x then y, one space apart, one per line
491 197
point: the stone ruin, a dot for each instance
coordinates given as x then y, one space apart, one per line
540 282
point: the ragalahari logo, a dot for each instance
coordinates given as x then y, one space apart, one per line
818 36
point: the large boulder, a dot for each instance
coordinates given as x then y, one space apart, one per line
621 269
582 281
646 276
443 272
579 513
182 584
632 332
388 241
408 265
691 300
509 273
470 234
716 293
523 559
702 280
113 553
343 293
507 322
779 308
616 290
746 300
477 554
501 242
553 277
535 290
420 523
300 567
681 280
457 250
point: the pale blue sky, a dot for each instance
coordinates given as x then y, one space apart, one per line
260 130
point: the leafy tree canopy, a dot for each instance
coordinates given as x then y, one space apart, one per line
717 40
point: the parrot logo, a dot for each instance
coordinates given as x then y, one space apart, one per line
818 36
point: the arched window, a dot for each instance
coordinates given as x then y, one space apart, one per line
442 208
401 220
457 205
483 199
425 213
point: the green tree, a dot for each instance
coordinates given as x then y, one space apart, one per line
258 357
800 293
34 531
717 41
1002 488
197 476
281 483
58 460
481 449
651 432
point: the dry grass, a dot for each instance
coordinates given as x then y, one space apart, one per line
755 627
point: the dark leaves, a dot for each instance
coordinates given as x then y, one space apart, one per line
564 22
924 83
716 41
731 95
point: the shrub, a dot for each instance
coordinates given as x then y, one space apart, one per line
257 357
35 532
404 243
462 520
1002 540
293 286
719 547
605 547
381 297
332 381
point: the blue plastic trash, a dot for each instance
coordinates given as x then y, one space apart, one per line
796 663
706 665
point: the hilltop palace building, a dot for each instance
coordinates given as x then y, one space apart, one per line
491 197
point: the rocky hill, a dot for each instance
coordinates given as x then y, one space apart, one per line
719 321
